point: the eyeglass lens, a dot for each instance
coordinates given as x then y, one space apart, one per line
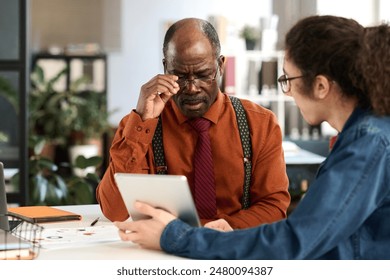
284 83
196 81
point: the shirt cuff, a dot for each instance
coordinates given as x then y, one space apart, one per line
140 131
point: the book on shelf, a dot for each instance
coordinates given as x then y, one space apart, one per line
229 76
43 214
268 75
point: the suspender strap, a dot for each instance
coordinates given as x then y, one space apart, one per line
159 158
158 150
243 128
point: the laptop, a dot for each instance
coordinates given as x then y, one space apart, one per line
169 192
4 225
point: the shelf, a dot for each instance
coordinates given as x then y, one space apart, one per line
92 66
252 75
264 55
266 98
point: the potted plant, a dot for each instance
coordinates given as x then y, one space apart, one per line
49 112
251 35
82 188
48 187
63 119
73 119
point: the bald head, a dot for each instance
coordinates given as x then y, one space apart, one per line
190 30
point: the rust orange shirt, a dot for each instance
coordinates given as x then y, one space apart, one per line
132 152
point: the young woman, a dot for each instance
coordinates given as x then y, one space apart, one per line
337 72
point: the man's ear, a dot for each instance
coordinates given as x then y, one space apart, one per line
322 86
164 65
221 64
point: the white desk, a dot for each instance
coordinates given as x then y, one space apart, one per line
117 250
294 155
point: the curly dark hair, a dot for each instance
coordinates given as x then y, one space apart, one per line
327 45
206 27
374 63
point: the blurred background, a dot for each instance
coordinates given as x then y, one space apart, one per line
71 69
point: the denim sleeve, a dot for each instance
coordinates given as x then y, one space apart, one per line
349 188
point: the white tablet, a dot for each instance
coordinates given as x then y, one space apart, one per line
168 192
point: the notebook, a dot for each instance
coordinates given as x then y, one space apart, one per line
43 214
169 192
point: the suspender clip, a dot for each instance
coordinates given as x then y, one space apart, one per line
161 168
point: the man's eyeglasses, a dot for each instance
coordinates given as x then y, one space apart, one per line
197 81
284 82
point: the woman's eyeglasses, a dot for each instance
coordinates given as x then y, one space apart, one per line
284 82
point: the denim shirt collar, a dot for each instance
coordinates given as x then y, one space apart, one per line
354 118
356 115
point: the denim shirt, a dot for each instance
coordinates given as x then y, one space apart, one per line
345 214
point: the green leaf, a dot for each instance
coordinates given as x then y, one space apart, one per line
39 145
93 177
39 187
83 162
81 193
48 164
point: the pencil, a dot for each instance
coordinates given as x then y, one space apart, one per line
95 221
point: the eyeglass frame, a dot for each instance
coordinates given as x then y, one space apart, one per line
195 81
284 79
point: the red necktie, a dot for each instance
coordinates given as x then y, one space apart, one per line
205 198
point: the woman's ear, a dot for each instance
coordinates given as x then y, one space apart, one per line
322 87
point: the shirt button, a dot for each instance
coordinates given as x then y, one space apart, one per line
133 159
139 128
147 130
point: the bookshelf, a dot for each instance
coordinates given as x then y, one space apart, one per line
92 66
254 78
252 75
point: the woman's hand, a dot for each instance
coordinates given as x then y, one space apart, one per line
145 233
221 225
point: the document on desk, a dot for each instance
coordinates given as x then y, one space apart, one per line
54 238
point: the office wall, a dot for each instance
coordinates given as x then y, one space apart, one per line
363 10
63 22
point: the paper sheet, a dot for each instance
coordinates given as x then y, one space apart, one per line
52 238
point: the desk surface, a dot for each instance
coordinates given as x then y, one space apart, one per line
294 155
114 250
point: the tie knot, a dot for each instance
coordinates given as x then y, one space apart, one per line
200 124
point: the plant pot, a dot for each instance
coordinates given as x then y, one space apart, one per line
250 44
86 151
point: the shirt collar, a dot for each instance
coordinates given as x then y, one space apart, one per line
356 115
